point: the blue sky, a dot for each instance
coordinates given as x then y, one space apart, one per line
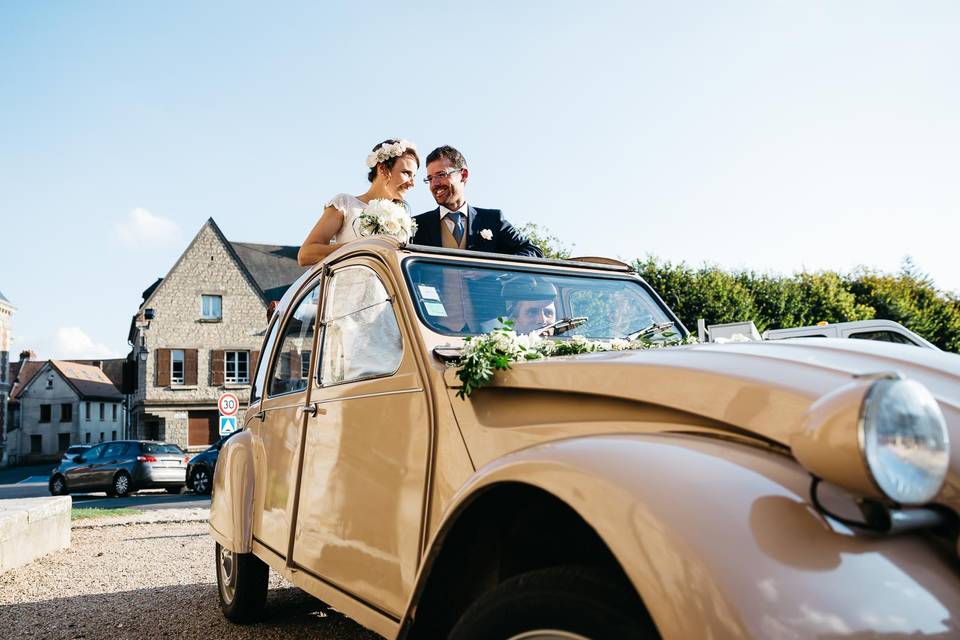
773 136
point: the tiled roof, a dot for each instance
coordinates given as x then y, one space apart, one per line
273 267
89 381
30 368
113 368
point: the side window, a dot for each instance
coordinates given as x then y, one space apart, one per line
883 336
94 452
297 337
114 450
256 392
361 338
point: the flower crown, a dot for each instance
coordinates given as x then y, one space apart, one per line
389 150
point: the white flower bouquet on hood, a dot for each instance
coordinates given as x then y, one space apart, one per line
385 217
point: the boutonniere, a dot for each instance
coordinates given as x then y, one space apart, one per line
486 234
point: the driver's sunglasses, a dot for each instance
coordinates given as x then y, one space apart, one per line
443 176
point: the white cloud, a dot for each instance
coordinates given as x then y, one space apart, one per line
144 230
74 343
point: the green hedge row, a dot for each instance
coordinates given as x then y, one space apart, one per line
774 302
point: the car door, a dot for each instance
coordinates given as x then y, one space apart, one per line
359 515
101 472
276 427
80 476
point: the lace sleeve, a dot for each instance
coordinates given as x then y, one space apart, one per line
342 202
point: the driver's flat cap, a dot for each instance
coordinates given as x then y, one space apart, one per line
528 288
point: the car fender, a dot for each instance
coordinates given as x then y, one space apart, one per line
231 503
719 540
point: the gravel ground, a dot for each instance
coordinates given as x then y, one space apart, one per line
148 580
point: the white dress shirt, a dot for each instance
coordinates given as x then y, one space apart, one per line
448 219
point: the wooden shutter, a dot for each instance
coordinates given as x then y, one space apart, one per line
189 366
254 363
217 366
162 357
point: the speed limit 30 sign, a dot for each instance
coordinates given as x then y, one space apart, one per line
228 404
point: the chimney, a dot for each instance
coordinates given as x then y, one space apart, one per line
28 355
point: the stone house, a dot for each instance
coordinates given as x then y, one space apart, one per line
197 334
56 404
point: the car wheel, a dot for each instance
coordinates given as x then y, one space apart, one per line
200 478
241 584
58 486
120 486
569 603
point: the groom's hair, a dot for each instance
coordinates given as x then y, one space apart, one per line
391 161
449 153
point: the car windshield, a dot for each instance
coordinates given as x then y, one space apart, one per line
467 299
153 447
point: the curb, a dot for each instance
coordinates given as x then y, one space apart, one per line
155 517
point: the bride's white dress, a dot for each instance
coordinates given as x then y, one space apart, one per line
351 208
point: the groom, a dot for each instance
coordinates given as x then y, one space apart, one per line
457 225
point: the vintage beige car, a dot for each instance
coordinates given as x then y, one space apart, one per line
791 489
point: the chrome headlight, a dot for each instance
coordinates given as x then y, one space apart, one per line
904 440
885 439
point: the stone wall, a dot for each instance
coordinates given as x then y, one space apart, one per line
38 393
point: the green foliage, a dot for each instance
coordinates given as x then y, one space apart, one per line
85 513
550 244
806 298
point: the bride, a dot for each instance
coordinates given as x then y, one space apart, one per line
392 164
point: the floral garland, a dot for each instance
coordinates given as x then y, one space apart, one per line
382 216
389 150
482 356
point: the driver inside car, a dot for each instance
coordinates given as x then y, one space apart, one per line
530 302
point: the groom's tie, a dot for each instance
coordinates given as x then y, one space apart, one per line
457 226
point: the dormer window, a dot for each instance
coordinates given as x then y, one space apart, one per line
211 307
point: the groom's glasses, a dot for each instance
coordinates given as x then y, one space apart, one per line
443 176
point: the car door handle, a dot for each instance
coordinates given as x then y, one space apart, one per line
312 409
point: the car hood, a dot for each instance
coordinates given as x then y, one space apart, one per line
763 388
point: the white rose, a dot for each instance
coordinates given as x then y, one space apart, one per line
486 234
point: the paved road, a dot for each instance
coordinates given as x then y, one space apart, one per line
147 499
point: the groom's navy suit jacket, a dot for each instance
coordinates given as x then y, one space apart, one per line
506 239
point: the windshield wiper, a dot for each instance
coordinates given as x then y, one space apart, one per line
560 326
655 327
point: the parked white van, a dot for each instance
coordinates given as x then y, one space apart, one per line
885 330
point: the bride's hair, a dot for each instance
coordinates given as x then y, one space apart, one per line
399 149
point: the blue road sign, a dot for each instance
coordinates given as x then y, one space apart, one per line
228 424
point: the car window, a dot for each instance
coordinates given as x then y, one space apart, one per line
256 391
361 338
883 336
461 299
114 450
296 339
155 447
93 453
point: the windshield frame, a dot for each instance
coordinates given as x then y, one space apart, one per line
566 269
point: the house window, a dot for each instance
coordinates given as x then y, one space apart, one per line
36 444
44 413
63 441
113 435
87 438
176 366
101 436
211 307
114 412
237 367
102 411
66 412
87 406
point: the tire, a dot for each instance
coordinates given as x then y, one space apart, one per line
58 486
120 487
202 480
576 603
241 585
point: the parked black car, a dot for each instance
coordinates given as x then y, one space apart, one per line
201 467
121 467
